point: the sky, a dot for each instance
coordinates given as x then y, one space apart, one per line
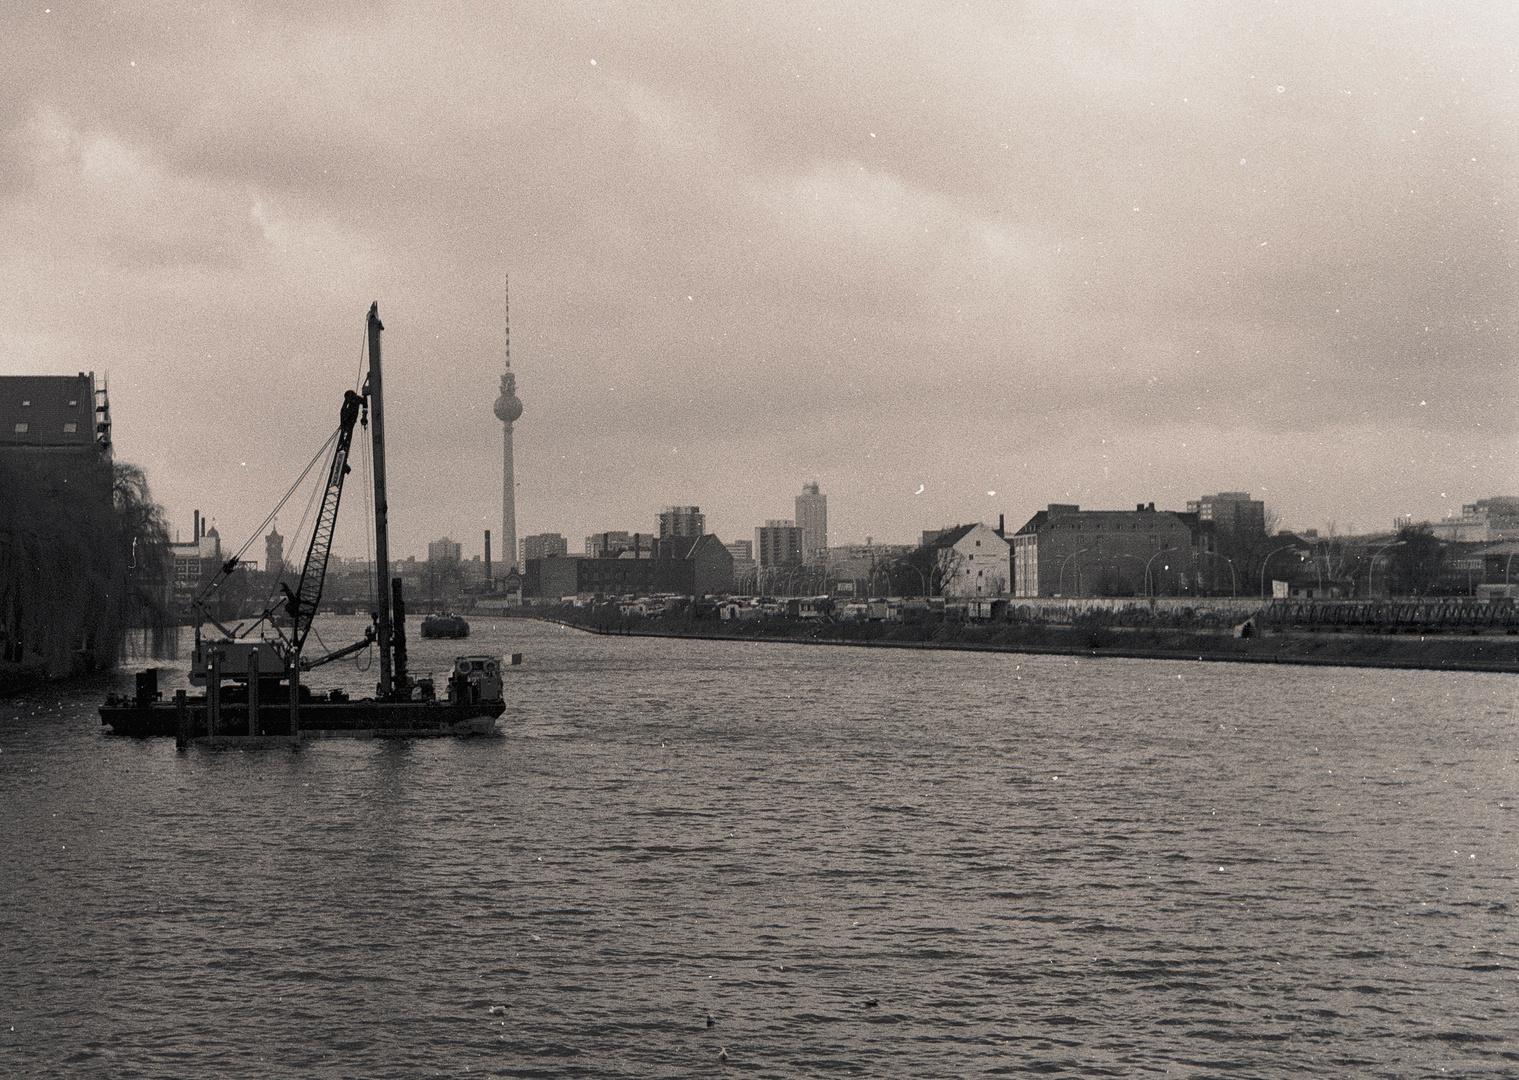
949 260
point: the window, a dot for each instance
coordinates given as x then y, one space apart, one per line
69 429
25 403
74 403
21 429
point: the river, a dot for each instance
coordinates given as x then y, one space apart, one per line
858 862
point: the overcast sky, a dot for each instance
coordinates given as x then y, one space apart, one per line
949 260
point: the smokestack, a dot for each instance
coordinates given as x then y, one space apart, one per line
1001 524
196 533
487 558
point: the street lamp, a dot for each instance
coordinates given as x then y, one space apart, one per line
1372 569
1148 561
1284 547
1061 583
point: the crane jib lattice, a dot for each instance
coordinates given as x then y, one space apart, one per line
302 605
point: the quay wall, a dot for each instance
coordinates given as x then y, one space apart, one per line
1493 652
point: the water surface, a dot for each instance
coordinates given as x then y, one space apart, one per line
860 862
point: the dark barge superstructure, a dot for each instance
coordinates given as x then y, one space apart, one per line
445 625
253 687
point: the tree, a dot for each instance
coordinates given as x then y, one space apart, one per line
1416 562
83 554
143 542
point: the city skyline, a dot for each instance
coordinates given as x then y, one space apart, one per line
949 265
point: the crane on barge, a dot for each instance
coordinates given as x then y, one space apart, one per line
401 707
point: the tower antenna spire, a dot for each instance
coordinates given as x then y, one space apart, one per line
506 300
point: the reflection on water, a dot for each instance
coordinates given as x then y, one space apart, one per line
860 862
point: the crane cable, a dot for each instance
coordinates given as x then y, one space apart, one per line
224 570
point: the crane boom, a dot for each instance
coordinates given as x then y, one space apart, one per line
302 604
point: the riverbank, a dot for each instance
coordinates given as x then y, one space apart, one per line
1439 652
18 678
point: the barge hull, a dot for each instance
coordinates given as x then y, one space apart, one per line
346 719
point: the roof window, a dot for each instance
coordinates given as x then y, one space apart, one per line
70 428
21 429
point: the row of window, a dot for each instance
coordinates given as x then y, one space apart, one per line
73 403
1098 527
68 429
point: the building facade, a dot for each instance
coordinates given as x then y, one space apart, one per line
745 568
687 566
861 569
601 544
542 546
1067 551
972 561
686 521
274 554
444 551
1486 521
1233 514
192 563
778 543
812 520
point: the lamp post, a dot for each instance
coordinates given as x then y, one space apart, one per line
1064 563
1372 569
1148 561
1267 559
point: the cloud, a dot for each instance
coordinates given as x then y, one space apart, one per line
869 244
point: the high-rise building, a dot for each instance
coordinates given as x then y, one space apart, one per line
778 543
543 546
508 410
812 519
682 521
604 544
1233 513
444 551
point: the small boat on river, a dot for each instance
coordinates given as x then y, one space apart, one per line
445 625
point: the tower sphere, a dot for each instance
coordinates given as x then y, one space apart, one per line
508 406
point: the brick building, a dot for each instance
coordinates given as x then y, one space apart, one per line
1067 551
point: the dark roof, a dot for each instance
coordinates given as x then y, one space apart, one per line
1033 524
951 537
38 410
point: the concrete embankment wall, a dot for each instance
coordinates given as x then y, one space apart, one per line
1490 652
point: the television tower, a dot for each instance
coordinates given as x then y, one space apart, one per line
508 409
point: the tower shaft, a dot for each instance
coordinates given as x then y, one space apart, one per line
508 498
